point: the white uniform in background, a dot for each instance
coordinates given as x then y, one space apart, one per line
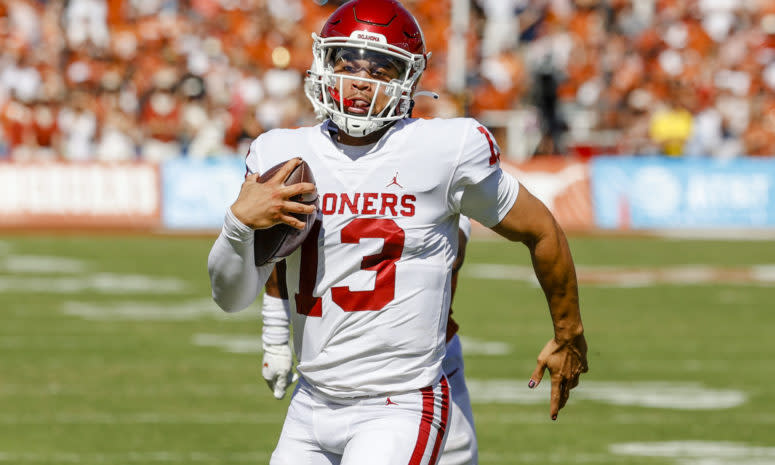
461 446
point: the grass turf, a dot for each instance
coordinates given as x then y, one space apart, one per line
127 390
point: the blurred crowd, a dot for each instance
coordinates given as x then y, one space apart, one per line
122 80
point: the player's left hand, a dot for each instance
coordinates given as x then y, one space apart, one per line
566 362
277 368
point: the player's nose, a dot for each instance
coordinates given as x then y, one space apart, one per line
361 84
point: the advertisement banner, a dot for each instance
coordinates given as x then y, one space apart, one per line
79 195
561 184
198 192
659 192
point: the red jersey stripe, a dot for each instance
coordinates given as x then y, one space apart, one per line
425 426
444 418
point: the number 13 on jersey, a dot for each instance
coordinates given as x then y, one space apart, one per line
383 263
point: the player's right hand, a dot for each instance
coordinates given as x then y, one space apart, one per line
277 368
261 205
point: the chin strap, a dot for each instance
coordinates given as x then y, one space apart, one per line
421 93
426 93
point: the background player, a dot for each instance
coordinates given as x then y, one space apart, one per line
371 285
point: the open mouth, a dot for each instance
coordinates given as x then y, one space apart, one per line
358 106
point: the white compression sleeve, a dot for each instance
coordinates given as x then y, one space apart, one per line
234 277
275 312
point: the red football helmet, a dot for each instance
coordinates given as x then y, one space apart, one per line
376 30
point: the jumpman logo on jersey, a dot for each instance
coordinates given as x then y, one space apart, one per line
390 402
394 182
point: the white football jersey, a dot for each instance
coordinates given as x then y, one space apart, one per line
370 287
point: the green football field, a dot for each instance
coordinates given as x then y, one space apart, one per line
111 352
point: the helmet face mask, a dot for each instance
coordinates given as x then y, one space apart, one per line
357 51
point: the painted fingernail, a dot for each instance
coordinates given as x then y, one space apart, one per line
554 417
531 384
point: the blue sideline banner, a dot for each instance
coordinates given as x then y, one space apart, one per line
196 193
659 192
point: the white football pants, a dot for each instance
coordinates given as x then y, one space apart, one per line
460 447
402 429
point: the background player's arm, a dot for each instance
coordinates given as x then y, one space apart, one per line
462 242
463 233
277 363
530 222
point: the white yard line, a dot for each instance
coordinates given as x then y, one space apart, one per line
25 264
233 343
661 394
486 457
640 417
699 452
141 418
138 457
103 283
717 234
630 276
133 391
195 309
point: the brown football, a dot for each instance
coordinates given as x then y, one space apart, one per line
279 241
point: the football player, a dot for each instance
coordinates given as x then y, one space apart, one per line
461 447
370 287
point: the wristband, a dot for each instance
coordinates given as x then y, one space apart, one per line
275 313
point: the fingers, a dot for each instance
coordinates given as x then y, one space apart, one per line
565 364
292 221
282 174
554 403
538 374
564 393
584 364
280 386
563 387
278 383
297 189
282 381
296 207
564 381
